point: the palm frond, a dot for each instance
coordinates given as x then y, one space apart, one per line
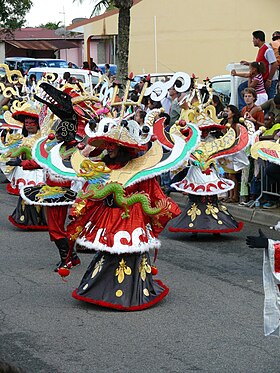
100 7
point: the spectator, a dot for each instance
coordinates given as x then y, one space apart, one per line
94 67
275 44
255 80
272 171
141 84
153 104
70 65
272 128
218 104
233 116
272 105
65 78
250 97
175 109
85 65
265 55
31 80
139 117
108 71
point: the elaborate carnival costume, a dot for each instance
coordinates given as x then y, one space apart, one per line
271 281
22 105
204 213
269 151
59 192
122 209
19 166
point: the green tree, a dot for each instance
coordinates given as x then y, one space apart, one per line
12 14
124 7
51 25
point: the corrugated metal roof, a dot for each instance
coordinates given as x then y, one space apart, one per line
29 33
43 44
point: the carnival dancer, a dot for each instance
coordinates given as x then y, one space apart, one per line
122 208
204 213
18 147
269 151
120 274
271 281
25 216
58 192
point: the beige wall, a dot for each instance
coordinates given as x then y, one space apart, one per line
199 37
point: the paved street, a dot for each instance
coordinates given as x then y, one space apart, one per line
211 321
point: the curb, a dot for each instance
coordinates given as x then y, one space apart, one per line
252 215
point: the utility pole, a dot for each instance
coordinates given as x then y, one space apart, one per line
64 23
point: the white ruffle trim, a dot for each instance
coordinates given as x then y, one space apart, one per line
118 248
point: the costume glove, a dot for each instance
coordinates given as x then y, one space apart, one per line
260 241
14 162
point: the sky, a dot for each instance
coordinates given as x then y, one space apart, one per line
44 11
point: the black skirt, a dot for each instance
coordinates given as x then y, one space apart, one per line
123 282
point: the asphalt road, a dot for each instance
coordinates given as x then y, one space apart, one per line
211 321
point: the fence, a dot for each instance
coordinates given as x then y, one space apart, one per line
267 186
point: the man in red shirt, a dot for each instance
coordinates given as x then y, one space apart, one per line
267 56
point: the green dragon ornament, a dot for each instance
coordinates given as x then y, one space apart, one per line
97 173
100 192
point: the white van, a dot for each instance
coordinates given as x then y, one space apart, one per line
84 76
226 86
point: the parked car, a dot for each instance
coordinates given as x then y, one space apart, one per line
81 75
25 63
20 63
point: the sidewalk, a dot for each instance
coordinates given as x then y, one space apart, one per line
267 217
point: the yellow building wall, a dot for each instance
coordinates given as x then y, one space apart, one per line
199 37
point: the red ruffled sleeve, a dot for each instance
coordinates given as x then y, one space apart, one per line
153 189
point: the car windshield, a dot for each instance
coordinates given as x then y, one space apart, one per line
11 64
54 63
26 65
222 88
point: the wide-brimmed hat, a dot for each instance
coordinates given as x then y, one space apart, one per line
27 110
118 135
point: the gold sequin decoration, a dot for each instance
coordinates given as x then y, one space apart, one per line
223 209
98 266
194 211
21 218
144 268
122 271
119 293
146 292
22 205
220 222
212 210
85 287
191 225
